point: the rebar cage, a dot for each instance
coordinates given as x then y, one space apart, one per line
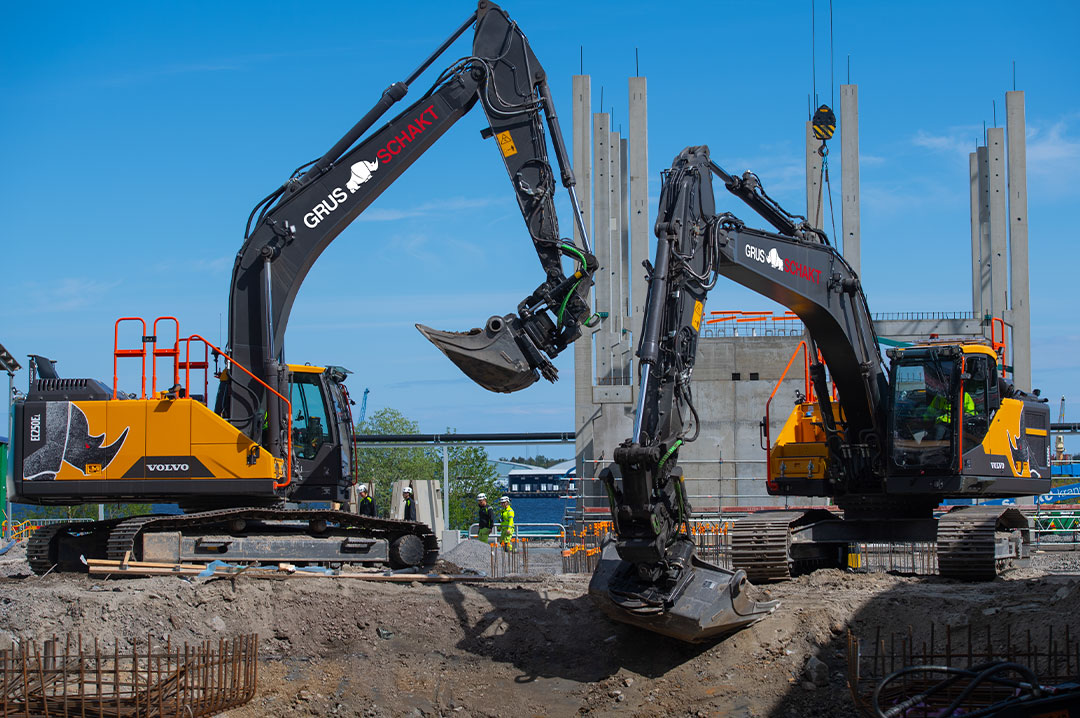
78 677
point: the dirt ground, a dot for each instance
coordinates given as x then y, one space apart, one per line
536 647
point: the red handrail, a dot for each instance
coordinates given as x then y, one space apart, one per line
174 353
288 404
204 365
998 345
806 386
118 352
960 424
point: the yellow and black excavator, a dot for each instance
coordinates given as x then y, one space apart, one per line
888 446
281 432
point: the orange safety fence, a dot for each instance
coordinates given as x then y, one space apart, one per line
582 548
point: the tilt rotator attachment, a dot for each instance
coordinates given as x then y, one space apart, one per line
649 574
508 353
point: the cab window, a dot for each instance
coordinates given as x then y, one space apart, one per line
309 421
976 376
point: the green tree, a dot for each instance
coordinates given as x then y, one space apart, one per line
470 469
83 511
540 460
471 473
380 467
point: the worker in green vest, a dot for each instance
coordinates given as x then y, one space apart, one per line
506 524
485 522
940 411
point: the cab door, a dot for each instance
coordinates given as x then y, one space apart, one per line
316 443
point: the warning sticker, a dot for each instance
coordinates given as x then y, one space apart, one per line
506 143
699 308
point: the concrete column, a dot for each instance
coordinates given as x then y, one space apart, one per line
638 175
624 230
616 321
1018 239
583 352
976 201
849 174
999 283
814 195
984 231
602 244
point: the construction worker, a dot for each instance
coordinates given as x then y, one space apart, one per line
366 505
506 524
410 506
940 411
486 521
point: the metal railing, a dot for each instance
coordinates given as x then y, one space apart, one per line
918 316
1056 529
21 530
533 532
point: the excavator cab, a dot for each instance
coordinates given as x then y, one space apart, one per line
926 399
958 429
321 432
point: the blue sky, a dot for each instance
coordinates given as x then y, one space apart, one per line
136 137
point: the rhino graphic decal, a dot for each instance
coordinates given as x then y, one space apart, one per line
68 440
774 260
361 173
1019 454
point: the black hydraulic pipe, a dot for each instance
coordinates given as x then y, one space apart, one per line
442 48
563 159
759 204
649 349
390 96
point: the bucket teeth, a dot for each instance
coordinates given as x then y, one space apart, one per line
490 356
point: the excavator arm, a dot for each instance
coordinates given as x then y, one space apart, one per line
797 267
292 226
650 575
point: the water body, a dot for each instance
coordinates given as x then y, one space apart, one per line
539 511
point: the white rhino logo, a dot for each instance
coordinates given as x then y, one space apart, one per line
774 260
361 173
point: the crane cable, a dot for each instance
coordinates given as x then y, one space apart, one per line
825 175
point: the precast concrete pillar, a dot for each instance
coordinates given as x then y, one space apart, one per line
999 282
602 236
637 166
814 195
849 175
583 350
984 232
1020 309
616 320
976 201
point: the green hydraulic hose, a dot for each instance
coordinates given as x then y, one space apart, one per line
670 451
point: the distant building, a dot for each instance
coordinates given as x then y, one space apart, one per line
557 481
503 469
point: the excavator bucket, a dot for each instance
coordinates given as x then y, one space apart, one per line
490 356
709 602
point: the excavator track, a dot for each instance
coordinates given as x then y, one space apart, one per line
123 536
761 545
39 553
56 546
973 543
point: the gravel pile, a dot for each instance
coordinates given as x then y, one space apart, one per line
1056 562
473 555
